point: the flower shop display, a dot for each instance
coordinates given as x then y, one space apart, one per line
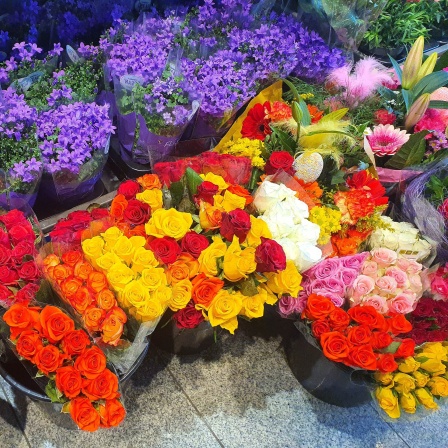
75 370
20 159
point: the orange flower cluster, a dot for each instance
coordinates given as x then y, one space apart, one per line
360 337
87 291
76 370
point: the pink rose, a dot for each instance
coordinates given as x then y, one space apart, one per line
302 299
384 257
409 266
347 276
287 305
354 261
363 285
378 302
387 284
401 304
327 268
400 276
439 286
370 268
331 285
415 284
336 299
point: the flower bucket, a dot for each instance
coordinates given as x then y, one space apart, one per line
182 341
329 382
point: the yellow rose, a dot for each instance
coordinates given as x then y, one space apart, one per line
425 398
404 383
111 236
238 264
124 249
163 295
438 386
169 223
258 229
106 261
210 217
253 307
153 278
408 403
135 294
385 379
409 365
420 378
229 201
215 179
93 248
285 282
388 401
224 310
119 275
137 241
150 311
208 260
143 259
435 350
433 366
154 198
181 295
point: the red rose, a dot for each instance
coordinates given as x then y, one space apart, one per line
194 243
443 209
338 319
279 160
79 216
205 192
4 239
437 336
20 251
12 218
398 324
363 356
425 308
421 324
8 276
319 327
270 256
382 116
99 213
419 336
166 249
237 222
22 232
359 335
27 293
75 342
5 255
380 339
406 348
188 317
367 315
129 189
137 212
29 271
6 297
387 363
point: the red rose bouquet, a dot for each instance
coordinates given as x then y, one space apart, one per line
75 370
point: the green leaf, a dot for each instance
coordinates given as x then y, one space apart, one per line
430 83
392 347
422 359
396 67
406 97
193 181
411 153
55 395
286 140
294 91
177 193
442 62
438 105
338 178
336 115
248 288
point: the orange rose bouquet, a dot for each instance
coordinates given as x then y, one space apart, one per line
74 368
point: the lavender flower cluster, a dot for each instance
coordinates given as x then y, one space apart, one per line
70 135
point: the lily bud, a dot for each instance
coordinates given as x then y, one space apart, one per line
417 111
412 64
428 67
297 113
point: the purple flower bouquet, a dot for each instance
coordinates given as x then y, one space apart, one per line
74 141
20 159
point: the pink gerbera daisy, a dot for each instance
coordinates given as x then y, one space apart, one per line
386 140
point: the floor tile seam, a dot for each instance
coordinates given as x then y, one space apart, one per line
22 429
201 416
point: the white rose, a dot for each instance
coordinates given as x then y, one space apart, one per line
280 226
270 194
406 241
309 255
306 232
390 240
291 249
294 209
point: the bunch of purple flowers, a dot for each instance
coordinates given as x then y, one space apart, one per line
71 135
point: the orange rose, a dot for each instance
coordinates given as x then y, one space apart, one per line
83 269
51 260
210 216
118 206
72 257
113 326
84 414
345 246
242 192
48 359
191 262
97 281
75 342
28 344
106 299
149 181
335 346
176 272
138 231
112 413
398 324
60 272
103 387
81 299
93 317
69 381
362 356
69 286
317 307
20 318
55 324
205 289
91 363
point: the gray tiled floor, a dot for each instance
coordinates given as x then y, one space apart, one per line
238 394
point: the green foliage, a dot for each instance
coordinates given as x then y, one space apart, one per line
437 189
411 153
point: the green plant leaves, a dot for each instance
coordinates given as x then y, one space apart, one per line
53 393
193 181
430 83
442 62
411 153
396 67
438 105
285 140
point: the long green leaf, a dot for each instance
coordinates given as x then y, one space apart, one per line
430 83
293 89
411 153
193 181
285 139
442 62
306 117
406 98
438 105
336 115
397 68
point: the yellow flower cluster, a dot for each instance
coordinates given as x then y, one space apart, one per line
419 380
245 147
329 221
132 271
